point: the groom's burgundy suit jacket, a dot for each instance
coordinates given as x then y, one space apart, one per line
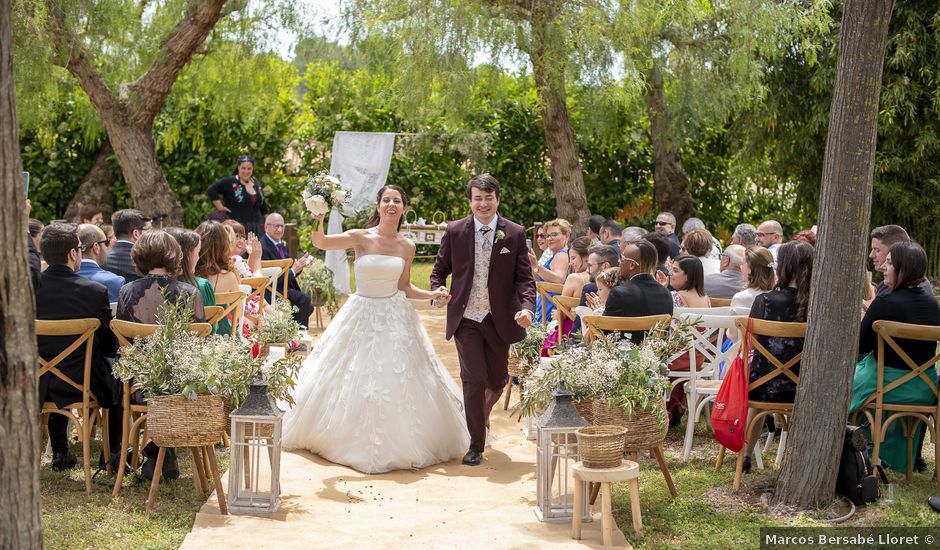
510 283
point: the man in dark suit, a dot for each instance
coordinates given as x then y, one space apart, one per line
273 248
666 224
491 301
63 294
128 224
640 294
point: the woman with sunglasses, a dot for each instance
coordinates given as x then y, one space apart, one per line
240 197
555 269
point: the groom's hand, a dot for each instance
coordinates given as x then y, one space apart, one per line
442 298
524 318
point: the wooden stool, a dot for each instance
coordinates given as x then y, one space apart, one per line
628 471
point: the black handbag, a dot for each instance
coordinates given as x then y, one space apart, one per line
857 479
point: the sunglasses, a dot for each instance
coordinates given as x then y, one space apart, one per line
759 234
659 223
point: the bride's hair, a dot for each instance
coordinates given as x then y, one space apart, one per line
374 218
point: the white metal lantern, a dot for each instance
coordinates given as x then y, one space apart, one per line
556 453
254 484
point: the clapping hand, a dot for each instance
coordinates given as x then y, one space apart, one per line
441 296
593 301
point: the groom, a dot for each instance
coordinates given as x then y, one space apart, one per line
491 301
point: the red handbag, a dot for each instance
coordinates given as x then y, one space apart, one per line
729 413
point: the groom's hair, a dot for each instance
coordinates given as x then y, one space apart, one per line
483 182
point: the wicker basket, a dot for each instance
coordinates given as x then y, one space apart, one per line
174 421
601 446
585 408
518 367
643 430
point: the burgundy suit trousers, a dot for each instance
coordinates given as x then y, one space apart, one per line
484 360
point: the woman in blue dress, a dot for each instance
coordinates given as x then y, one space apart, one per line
555 268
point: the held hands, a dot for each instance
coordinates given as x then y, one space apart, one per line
440 296
524 318
592 300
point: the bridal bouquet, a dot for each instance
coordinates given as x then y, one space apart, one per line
322 193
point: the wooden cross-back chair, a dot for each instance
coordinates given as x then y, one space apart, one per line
596 326
232 303
545 290
84 332
770 329
280 288
875 408
135 414
720 302
259 287
706 359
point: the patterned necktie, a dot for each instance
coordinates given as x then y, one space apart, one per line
280 250
485 231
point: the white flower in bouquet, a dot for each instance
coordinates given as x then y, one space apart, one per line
317 205
322 193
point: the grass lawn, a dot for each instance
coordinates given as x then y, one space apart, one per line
70 519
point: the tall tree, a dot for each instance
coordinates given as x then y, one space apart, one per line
128 109
692 63
20 522
822 396
445 39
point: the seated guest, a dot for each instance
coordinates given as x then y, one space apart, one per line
606 281
555 269
770 236
91 214
661 242
159 259
272 248
882 239
128 225
574 285
35 229
611 232
666 224
639 295
246 251
32 244
108 233
190 246
692 224
806 235
632 233
62 295
594 229
908 302
758 271
687 278
788 303
94 255
745 235
215 257
600 258
730 280
698 243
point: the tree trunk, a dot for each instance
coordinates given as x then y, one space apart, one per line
826 371
95 189
670 181
136 153
20 521
129 118
548 59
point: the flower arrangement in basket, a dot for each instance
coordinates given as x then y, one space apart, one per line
322 193
279 326
187 379
525 353
624 381
316 280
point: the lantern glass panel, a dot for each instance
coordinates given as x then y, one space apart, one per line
557 451
254 481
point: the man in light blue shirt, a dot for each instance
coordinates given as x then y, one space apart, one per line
94 248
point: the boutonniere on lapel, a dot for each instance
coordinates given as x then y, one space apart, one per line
500 235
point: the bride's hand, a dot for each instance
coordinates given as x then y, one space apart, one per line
441 296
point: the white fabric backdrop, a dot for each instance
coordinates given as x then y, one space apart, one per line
361 160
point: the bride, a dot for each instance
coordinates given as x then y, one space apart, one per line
372 394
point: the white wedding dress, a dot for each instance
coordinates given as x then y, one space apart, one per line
373 394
